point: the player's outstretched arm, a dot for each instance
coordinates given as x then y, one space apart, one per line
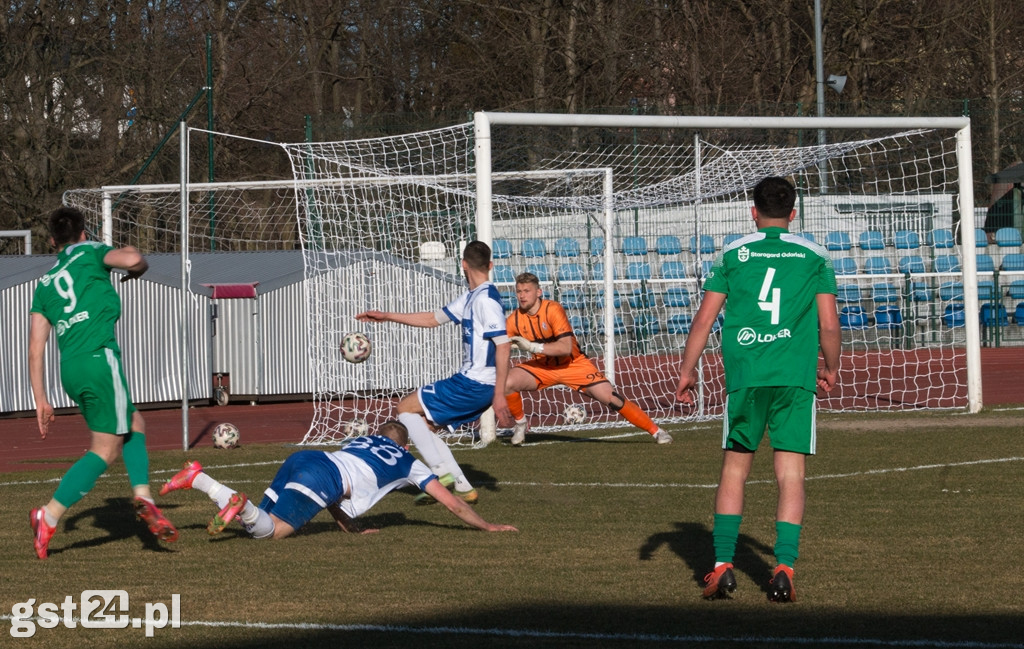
39 333
347 523
459 507
425 319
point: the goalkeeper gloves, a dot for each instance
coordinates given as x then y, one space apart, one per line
528 345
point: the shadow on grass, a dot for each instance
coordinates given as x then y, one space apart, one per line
693 543
116 518
699 623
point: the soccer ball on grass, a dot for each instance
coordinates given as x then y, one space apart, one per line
355 347
574 414
226 436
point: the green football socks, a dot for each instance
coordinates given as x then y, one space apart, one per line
725 534
136 458
787 542
80 479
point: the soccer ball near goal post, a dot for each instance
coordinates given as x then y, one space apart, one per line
355 347
226 436
574 414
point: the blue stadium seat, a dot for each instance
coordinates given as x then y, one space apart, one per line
1016 290
1018 314
638 270
919 292
1013 261
540 270
980 238
634 246
508 300
985 263
597 246
599 300
946 264
1008 237
838 240
907 239
885 292
853 317
911 264
679 323
501 249
729 238
807 235
673 270
570 273
579 324
707 244
677 297
941 238
642 298
888 317
705 267
573 299
598 271
503 275
534 248
987 290
872 240
994 315
845 266
618 326
951 292
877 265
953 316
668 244
645 324
848 293
567 247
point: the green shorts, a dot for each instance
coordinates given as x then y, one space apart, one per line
786 413
96 382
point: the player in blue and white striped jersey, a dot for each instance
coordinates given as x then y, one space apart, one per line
346 483
463 397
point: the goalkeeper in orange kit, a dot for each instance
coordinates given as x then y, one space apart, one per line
540 326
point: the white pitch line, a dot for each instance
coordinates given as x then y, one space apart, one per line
612 485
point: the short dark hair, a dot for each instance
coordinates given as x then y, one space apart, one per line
66 225
395 431
527 278
478 255
774 197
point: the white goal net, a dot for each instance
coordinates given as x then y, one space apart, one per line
382 224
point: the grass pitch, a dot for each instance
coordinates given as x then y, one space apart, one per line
911 539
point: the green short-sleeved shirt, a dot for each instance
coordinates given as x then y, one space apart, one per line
770 333
76 296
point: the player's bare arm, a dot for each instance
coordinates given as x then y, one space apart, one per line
424 319
38 335
347 523
829 339
695 342
128 259
461 509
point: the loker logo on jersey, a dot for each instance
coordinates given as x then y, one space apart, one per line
748 336
743 253
64 325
